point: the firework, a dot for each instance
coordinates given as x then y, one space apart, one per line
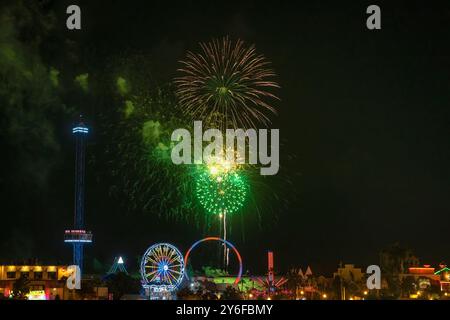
220 189
139 153
137 157
226 84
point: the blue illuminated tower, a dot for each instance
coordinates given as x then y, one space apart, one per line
78 236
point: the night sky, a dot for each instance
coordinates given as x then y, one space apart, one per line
364 119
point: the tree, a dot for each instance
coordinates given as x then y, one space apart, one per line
336 287
231 293
295 280
395 260
120 283
21 287
186 293
213 272
87 288
408 286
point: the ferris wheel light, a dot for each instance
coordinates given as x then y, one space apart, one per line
162 268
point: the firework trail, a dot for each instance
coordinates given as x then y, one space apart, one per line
136 125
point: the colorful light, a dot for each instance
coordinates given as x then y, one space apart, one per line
225 84
220 191
229 244
162 266
36 295
80 130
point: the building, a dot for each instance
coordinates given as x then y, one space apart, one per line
351 281
444 274
45 282
349 273
78 236
427 276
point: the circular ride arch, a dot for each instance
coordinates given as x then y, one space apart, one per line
238 255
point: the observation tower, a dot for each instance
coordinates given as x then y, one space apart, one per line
78 236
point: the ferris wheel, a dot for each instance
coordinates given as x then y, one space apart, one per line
162 267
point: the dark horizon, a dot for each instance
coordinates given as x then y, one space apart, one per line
364 122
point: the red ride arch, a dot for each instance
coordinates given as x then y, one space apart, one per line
238 278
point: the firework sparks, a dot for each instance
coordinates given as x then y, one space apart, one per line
139 158
220 190
226 84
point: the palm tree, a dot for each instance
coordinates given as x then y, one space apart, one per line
20 288
395 260
295 280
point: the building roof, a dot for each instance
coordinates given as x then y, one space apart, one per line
445 269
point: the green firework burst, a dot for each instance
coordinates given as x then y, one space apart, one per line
221 193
